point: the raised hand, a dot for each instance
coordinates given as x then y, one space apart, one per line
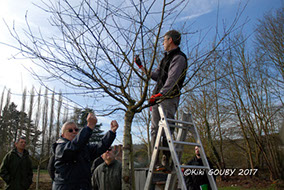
113 126
91 120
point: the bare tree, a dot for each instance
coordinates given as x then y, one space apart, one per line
65 114
2 100
269 39
24 96
44 122
93 52
43 153
37 121
8 131
252 91
51 119
59 105
30 115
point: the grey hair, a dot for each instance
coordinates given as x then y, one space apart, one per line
175 35
65 125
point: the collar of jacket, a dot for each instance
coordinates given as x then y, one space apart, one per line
173 51
62 140
25 153
112 162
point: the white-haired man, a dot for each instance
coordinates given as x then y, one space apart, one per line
73 154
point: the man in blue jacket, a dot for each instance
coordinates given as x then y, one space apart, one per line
73 154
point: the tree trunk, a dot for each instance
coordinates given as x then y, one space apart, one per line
2 100
50 130
22 116
38 175
30 116
127 162
58 115
37 119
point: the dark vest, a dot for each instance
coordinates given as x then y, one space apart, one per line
164 68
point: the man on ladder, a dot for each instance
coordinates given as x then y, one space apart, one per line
169 75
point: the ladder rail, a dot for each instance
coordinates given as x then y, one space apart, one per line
165 126
205 162
153 160
181 136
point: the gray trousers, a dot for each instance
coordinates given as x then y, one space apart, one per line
170 107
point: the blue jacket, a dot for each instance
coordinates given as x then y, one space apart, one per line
73 160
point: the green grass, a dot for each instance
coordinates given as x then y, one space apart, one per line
230 188
41 171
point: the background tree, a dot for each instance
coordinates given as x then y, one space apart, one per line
12 121
240 100
9 126
51 125
22 117
269 40
58 123
42 155
30 114
143 122
2 100
37 121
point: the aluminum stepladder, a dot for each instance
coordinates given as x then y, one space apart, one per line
176 149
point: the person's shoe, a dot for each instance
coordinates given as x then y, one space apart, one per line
164 169
159 168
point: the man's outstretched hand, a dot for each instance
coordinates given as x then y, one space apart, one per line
113 126
91 120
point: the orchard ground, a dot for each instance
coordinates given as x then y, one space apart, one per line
233 183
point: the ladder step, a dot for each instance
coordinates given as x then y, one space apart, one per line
164 172
167 148
186 143
179 121
178 126
194 167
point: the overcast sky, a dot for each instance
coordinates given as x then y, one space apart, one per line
13 75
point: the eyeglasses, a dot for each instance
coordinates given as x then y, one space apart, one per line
71 130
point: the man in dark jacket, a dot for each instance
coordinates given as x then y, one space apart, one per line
107 176
194 178
16 168
73 154
169 75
